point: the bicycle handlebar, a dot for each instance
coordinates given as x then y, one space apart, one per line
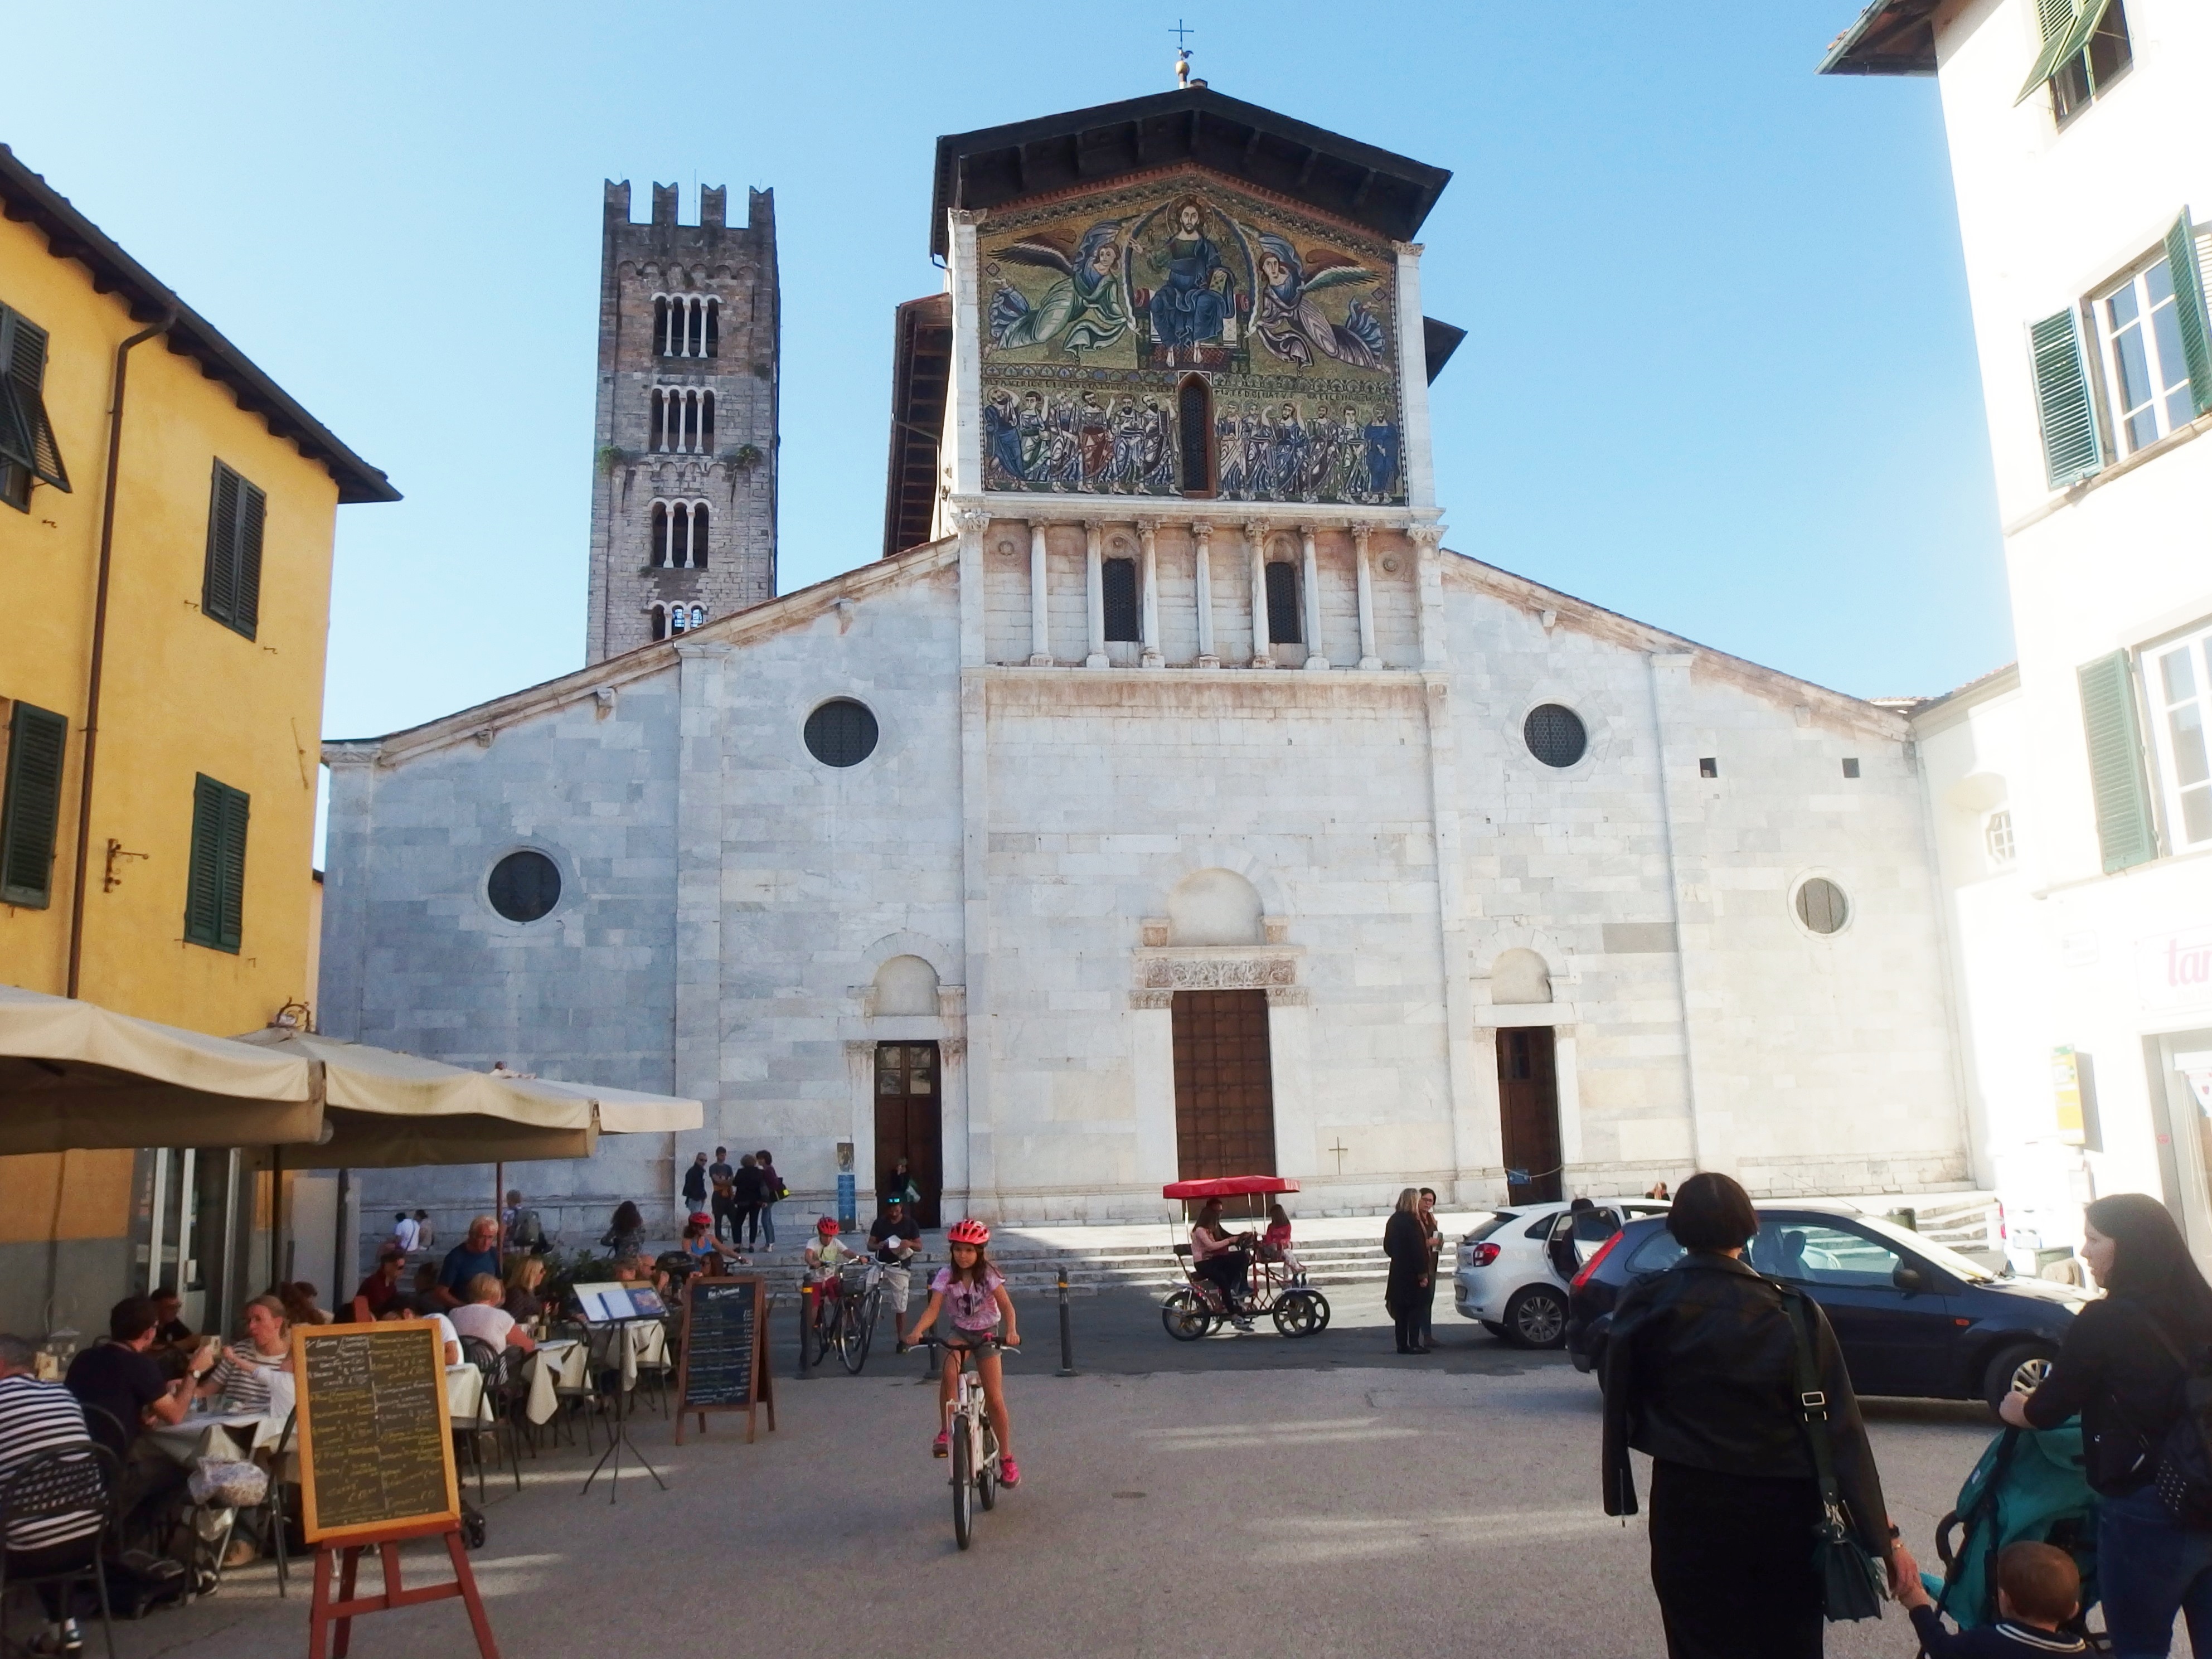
986 1342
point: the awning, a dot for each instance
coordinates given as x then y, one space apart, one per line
2064 45
75 1075
1229 1186
389 1110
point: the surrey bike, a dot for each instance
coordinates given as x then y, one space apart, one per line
1199 1309
974 1443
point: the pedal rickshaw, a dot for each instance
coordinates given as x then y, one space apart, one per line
1199 1308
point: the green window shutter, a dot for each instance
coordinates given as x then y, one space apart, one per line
2189 303
26 436
219 587
214 884
2117 782
252 510
31 804
2066 27
2071 448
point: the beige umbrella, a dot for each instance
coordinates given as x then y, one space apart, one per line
75 1075
387 1110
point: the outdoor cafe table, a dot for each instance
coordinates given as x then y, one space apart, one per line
560 1363
646 1347
466 1402
221 1437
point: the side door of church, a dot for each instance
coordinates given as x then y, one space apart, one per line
1225 1085
1528 1109
910 1122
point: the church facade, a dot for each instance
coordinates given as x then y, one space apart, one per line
1170 801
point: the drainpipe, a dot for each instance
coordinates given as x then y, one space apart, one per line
99 638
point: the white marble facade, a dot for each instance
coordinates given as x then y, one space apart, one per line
743 923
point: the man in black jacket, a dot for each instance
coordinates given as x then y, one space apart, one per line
1700 1368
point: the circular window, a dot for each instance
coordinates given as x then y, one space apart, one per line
1821 905
524 886
1555 734
840 732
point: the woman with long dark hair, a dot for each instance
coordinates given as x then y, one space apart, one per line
1410 1281
1224 1257
1701 1371
627 1237
2122 1368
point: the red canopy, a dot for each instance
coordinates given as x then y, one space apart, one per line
1229 1186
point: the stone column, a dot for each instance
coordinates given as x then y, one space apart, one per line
1412 381
1255 538
967 390
1316 658
1094 591
1040 640
1201 542
696 1070
1148 625
970 523
1360 532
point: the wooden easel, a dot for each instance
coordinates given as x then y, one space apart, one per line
344 1554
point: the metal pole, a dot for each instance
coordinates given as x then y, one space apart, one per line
805 1307
499 1210
1066 1335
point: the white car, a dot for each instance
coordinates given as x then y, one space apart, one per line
1514 1268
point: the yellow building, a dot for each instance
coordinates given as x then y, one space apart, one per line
167 514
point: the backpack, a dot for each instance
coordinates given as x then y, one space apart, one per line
2182 1459
2031 1486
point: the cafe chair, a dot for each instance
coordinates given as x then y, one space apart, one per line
270 1516
76 1477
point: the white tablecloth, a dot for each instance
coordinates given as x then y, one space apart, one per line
464 1396
233 1435
647 1346
564 1363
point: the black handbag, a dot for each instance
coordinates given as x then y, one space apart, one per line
1852 1583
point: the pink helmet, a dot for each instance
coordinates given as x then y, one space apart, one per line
970 1232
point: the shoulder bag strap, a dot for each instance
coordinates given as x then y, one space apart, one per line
1811 1402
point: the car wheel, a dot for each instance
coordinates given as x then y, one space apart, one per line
1536 1318
1495 1329
2017 1370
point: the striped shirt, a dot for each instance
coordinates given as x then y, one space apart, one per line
260 1383
36 1417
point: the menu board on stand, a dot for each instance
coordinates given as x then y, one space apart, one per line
376 1467
725 1364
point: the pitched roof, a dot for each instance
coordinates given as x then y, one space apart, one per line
27 198
1387 193
1891 37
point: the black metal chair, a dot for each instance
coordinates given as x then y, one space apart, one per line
76 1477
271 1511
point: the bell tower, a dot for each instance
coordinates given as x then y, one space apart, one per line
683 480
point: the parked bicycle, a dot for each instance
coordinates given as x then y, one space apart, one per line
846 1307
975 1444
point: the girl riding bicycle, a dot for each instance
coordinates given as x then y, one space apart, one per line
972 1294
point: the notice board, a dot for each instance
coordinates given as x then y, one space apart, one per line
725 1364
375 1451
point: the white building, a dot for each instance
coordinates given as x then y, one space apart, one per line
2070 796
1169 800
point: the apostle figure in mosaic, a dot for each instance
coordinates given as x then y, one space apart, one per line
1085 310
1002 437
1194 304
1094 437
1382 457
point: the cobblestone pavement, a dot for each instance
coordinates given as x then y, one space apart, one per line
1289 1498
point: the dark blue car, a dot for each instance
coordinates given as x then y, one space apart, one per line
1913 1317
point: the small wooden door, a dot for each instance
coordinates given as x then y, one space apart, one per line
911 1121
1225 1087
1528 1104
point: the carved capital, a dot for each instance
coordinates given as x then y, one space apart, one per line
1288 996
1201 533
1361 531
1149 1000
1255 532
971 520
1426 536
970 217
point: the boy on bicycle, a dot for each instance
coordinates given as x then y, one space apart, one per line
973 1294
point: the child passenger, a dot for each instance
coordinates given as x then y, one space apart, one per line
1275 1245
2038 1590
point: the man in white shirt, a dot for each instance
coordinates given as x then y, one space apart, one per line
405 1233
482 1317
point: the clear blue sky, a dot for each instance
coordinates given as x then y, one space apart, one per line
1719 374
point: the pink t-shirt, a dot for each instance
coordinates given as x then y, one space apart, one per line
973 1307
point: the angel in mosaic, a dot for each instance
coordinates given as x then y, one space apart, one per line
1290 321
1085 310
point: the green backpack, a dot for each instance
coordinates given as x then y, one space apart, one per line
2030 1486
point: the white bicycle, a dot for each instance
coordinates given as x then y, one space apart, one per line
974 1443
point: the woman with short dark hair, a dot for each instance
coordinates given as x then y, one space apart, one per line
1700 1372
2122 1368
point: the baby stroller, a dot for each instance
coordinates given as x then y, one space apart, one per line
2028 1487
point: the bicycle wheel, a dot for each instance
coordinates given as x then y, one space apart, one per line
826 1316
964 1483
1298 1314
854 1335
1185 1317
986 1477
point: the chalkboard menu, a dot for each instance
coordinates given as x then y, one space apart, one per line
375 1451
725 1362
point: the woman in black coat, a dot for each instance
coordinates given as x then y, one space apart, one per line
1406 1244
1700 1372
2121 1369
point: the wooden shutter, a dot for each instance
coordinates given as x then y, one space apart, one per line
26 436
215 883
230 592
31 804
2189 305
2071 448
2117 782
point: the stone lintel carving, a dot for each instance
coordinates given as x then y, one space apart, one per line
1216 973
1149 1000
1154 930
1288 996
